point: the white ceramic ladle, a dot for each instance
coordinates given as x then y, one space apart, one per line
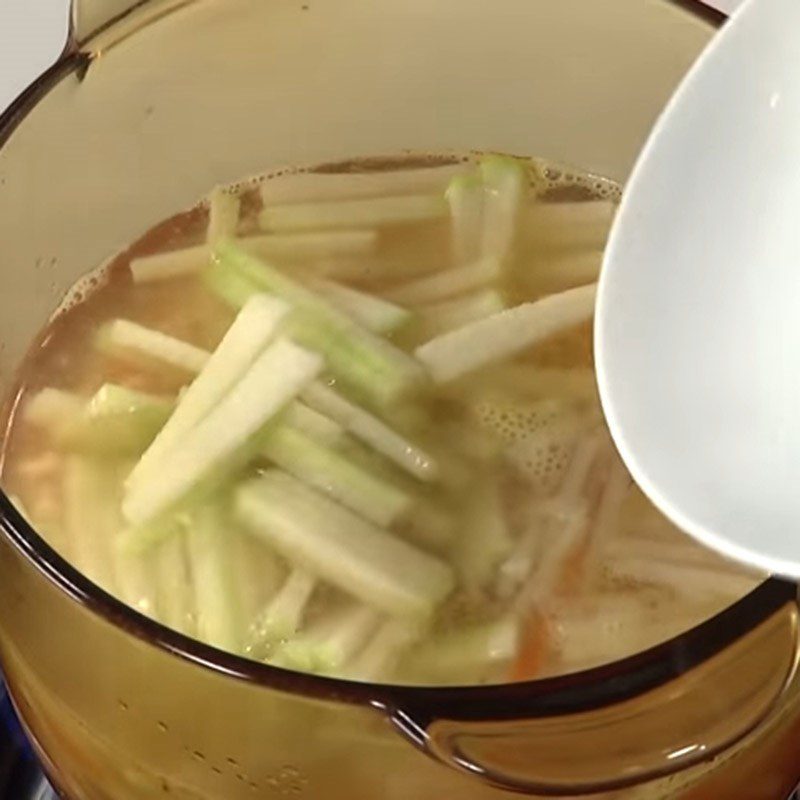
698 316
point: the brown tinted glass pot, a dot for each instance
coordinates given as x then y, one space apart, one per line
152 103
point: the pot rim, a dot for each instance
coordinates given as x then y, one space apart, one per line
564 694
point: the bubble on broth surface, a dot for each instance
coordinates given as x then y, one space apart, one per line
84 287
516 422
544 463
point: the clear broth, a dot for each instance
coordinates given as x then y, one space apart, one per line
630 580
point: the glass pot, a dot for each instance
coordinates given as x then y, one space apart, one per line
153 102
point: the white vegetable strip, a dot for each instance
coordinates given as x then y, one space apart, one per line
89 508
175 591
378 369
504 179
223 214
303 187
505 334
294 246
428 526
553 528
304 418
451 654
369 270
372 431
579 226
114 420
331 642
358 557
439 318
333 474
122 337
136 578
465 196
485 539
567 518
514 570
260 573
139 539
219 613
283 616
252 330
112 400
277 375
546 574
319 244
381 654
170 264
563 270
118 419
137 581
374 313
447 283
52 408
580 467
353 213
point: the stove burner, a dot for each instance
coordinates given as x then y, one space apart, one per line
20 775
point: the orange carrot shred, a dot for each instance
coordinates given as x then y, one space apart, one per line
533 649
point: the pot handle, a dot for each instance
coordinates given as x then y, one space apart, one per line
614 726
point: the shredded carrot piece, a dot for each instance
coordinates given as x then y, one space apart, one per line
534 648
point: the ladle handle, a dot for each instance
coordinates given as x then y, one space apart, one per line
670 709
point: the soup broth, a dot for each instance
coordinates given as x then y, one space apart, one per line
343 420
